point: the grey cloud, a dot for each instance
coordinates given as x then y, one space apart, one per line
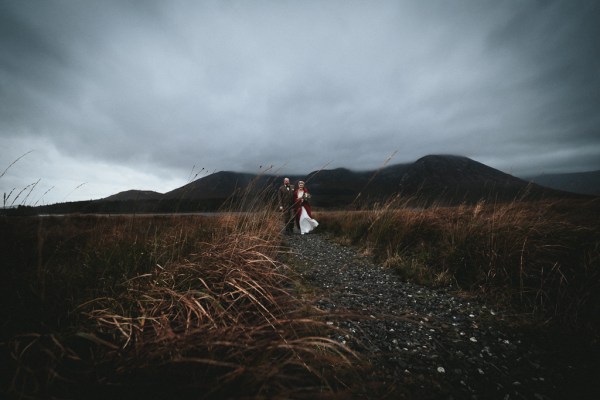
559 51
235 85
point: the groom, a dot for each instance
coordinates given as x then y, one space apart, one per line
286 204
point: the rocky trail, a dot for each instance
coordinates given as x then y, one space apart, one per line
424 343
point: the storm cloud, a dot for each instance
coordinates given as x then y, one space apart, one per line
117 95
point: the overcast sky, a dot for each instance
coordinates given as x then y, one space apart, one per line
106 96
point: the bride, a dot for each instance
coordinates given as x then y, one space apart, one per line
302 209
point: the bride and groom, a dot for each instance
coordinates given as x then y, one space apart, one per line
295 206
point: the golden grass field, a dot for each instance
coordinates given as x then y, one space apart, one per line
172 305
542 258
176 305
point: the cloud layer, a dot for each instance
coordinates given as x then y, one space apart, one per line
129 94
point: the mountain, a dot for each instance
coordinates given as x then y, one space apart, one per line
455 179
433 179
444 179
215 186
134 195
578 182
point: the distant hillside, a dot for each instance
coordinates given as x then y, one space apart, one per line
134 195
446 179
215 186
455 179
579 182
433 179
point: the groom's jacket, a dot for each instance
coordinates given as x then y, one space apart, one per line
286 196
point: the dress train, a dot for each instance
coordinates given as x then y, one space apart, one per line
306 223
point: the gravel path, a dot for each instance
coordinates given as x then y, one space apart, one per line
422 343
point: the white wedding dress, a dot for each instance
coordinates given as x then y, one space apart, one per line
307 223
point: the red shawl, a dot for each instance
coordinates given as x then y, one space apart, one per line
299 203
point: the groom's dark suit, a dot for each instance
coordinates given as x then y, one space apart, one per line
286 204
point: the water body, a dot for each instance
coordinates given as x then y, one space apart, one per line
205 214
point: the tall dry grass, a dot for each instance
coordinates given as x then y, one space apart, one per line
541 257
160 307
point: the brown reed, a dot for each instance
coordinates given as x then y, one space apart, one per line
168 307
539 257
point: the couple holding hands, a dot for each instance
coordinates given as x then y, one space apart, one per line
295 207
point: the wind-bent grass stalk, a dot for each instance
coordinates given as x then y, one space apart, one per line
72 191
31 186
14 162
30 190
42 196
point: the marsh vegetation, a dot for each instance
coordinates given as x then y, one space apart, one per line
139 306
540 257
126 306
